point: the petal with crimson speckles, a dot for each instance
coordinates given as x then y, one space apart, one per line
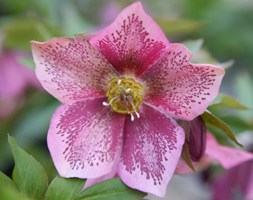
151 149
180 89
132 41
71 69
85 139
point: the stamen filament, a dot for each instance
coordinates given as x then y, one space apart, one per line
135 111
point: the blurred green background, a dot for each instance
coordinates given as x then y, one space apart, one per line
217 31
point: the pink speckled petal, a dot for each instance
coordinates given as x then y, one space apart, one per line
151 149
132 41
226 156
92 181
71 69
182 90
85 139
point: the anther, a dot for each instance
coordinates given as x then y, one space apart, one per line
137 114
108 104
128 90
135 111
130 113
105 104
132 117
124 96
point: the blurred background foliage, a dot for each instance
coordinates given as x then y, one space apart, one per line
217 31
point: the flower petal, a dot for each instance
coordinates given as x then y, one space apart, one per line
14 77
71 69
246 179
238 178
183 168
226 156
132 41
223 187
182 90
152 147
85 139
92 181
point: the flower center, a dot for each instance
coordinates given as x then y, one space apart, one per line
124 96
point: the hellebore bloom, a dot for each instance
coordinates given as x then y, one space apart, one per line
227 157
237 181
14 79
120 90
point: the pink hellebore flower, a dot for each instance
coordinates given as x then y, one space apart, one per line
226 156
14 79
119 91
237 181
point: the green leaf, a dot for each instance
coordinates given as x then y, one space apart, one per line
228 102
64 189
69 13
194 45
110 189
227 64
215 122
39 116
19 32
243 87
8 189
28 174
179 26
5 181
7 193
28 62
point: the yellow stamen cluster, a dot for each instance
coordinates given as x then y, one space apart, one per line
124 95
